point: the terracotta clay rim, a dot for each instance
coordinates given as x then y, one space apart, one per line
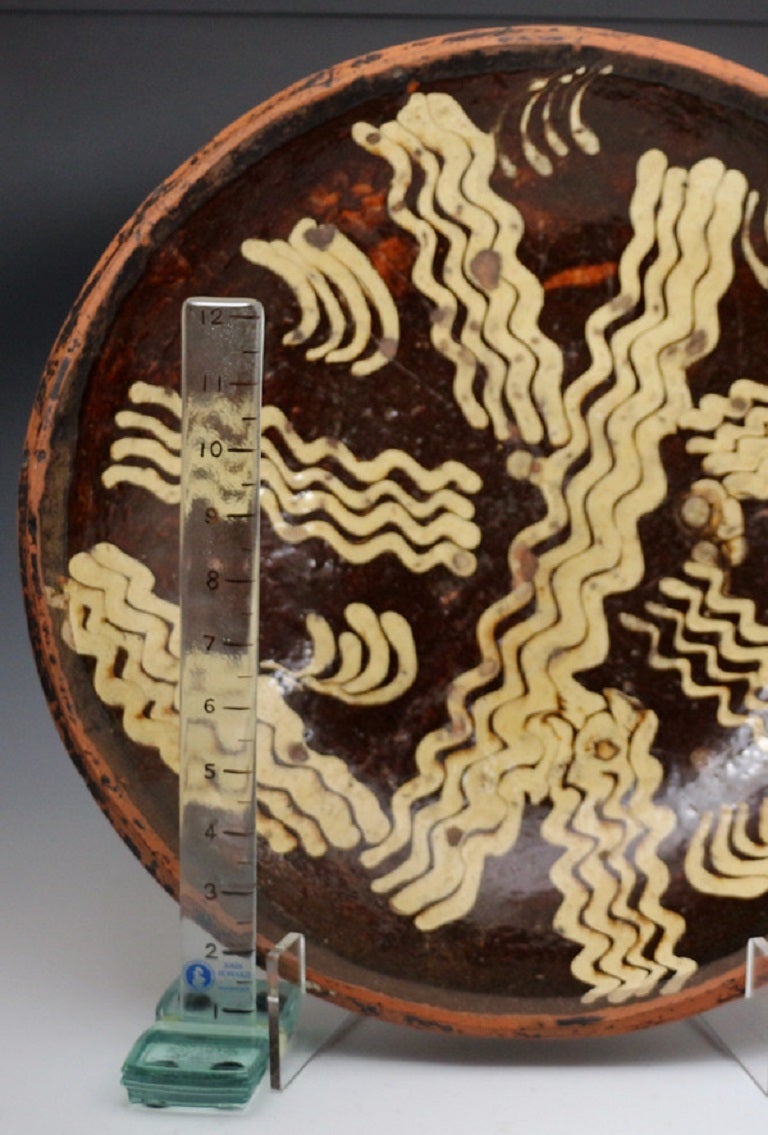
120 265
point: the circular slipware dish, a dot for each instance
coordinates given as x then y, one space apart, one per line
514 632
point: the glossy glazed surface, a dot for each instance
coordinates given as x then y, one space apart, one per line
514 615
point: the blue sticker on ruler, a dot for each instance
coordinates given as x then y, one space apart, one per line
198 976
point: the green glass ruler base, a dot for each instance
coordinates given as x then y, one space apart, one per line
174 1064
193 1061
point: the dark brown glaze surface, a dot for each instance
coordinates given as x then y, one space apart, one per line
503 965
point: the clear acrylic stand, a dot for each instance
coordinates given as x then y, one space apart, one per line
740 1027
299 1026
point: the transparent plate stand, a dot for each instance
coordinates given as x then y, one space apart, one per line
740 1027
299 1025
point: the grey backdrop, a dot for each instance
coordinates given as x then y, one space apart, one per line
98 103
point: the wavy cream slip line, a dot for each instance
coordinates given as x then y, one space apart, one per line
146 393
475 858
752 657
287 824
743 474
494 656
607 937
347 286
745 454
691 688
494 333
144 449
310 481
596 914
547 612
615 500
143 478
375 469
748 486
439 202
161 473
453 857
455 559
329 810
497 786
287 828
533 155
701 278
585 138
440 878
430 773
112 611
320 786
362 525
651 172
327 304
624 501
377 646
606 901
740 840
463 870
441 188
714 409
129 603
731 436
395 144
737 453
514 305
442 751
317 263
387 142
277 834
450 534
306 479
718 601
358 281
132 420
726 648
306 284
430 770
724 629
602 807
582 135
738 865
562 570
333 775
314 295
470 158
557 145
532 364
759 269
629 803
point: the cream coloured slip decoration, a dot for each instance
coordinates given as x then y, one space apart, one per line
521 728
